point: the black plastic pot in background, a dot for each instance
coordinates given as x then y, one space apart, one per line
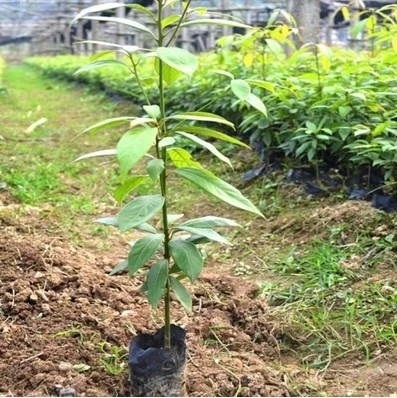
156 371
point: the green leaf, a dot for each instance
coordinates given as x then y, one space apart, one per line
197 240
240 88
119 268
142 251
182 158
187 257
256 103
107 124
208 146
218 188
100 54
123 21
212 133
260 83
179 59
171 19
145 227
210 222
181 293
156 280
97 8
223 73
138 211
100 64
133 145
103 152
169 74
128 185
155 167
216 21
202 117
152 110
206 232
166 141
171 218
108 221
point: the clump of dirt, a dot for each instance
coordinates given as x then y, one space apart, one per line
59 309
305 225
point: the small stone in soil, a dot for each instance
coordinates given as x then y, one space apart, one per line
67 392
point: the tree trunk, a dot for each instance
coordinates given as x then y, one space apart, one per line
307 17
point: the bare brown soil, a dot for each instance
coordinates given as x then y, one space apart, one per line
60 312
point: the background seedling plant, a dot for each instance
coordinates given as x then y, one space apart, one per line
171 248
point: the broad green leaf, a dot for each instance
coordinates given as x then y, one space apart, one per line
156 280
108 221
171 19
129 184
97 8
126 49
256 103
138 7
223 73
145 227
142 251
171 218
100 64
155 167
166 141
138 211
182 158
169 74
358 28
152 110
212 133
133 145
100 54
100 43
206 232
208 146
241 89
274 46
210 222
215 21
179 59
181 293
119 268
202 117
139 121
218 188
187 257
108 123
104 152
123 21
197 240
344 110
260 83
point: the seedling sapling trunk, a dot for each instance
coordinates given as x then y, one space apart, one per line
169 255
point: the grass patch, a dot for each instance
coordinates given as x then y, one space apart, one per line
331 302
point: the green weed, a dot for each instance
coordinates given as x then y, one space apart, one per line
332 310
112 358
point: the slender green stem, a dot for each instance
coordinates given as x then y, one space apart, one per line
176 31
162 154
138 79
